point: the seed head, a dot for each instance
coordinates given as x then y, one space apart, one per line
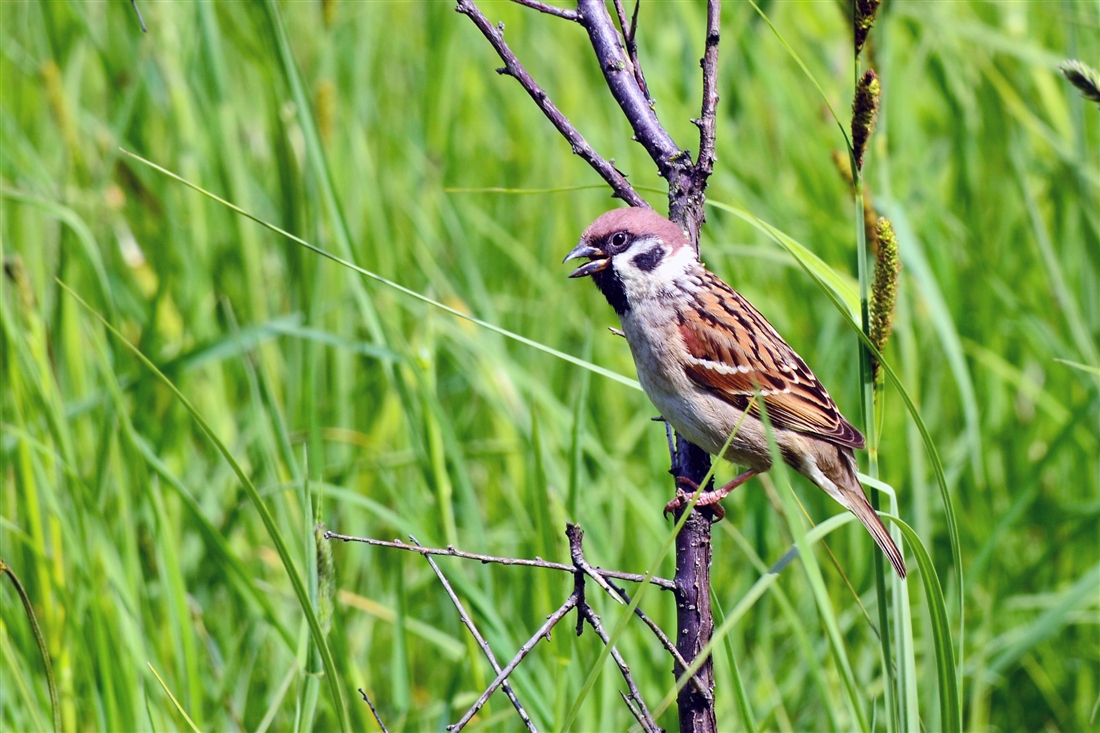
864 114
884 289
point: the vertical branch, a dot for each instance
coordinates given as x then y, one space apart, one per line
694 618
708 116
687 181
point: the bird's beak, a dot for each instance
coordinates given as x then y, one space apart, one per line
598 259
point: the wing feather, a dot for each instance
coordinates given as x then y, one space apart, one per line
733 351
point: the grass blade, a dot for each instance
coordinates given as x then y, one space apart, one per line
633 383
929 445
265 515
175 702
947 674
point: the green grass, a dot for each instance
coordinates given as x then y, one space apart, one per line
160 593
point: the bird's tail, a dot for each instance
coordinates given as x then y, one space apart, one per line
854 500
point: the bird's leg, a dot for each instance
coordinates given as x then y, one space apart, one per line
706 498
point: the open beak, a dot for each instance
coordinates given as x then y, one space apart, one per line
598 259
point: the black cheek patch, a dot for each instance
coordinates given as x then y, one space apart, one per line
611 285
648 261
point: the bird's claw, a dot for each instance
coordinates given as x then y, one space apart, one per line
683 498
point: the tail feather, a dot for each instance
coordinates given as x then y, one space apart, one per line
848 491
855 501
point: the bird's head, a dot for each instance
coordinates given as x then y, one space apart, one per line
633 254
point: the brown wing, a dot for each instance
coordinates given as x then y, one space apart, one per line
734 351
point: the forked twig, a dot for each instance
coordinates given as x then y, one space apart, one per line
469 624
634 700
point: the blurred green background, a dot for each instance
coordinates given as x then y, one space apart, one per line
349 401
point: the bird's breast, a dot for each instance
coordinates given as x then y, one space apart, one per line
696 414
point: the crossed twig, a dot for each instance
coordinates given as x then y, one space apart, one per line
581 569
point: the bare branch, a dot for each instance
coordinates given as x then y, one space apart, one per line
694 619
617 70
681 664
635 696
662 583
585 613
687 181
377 717
704 166
512 67
554 10
630 38
141 20
469 624
543 632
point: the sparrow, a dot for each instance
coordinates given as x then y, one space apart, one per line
706 358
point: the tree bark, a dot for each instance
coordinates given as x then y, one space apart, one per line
694 620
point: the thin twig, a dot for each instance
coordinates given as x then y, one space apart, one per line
681 663
648 130
704 166
632 708
644 717
469 624
141 20
566 13
630 39
575 533
512 67
585 613
543 632
374 712
662 583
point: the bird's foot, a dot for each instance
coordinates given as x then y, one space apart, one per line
706 498
683 498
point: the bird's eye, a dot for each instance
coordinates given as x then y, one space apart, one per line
618 239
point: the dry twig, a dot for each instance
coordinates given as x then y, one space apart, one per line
512 67
469 624
662 583
543 633
377 717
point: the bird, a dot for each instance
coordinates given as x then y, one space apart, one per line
706 358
